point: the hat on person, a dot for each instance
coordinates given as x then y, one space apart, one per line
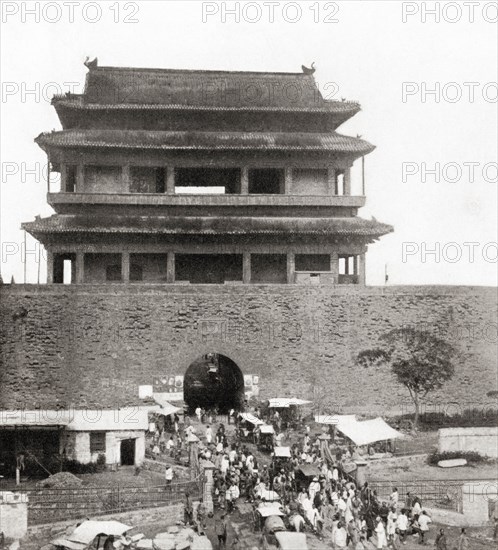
315 479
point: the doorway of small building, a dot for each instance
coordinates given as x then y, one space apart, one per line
214 382
128 452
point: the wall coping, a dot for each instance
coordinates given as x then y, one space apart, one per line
472 432
340 290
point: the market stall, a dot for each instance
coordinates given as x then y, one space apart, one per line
289 409
266 437
247 427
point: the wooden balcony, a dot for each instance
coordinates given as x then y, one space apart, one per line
315 278
135 199
348 279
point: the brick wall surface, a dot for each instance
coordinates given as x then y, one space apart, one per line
93 345
165 514
62 504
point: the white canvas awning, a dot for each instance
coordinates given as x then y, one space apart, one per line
285 402
270 509
291 541
266 429
369 431
335 419
252 419
88 530
166 408
282 452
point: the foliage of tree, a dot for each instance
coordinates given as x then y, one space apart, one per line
419 360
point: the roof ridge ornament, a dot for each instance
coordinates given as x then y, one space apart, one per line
308 70
91 64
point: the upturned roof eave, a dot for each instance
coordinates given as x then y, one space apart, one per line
359 227
48 141
337 108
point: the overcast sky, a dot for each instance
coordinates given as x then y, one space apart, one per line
370 51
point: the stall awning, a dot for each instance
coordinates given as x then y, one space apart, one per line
291 541
266 429
270 509
166 407
285 402
309 470
369 431
282 452
88 530
335 419
251 418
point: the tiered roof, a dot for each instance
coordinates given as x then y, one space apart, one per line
210 141
136 88
203 225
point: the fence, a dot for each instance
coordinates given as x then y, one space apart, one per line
445 494
62 504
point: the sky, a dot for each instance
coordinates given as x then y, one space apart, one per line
425 74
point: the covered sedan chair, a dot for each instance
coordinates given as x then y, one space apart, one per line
273 524
266 438
287 540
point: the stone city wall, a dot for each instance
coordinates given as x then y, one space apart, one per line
93 345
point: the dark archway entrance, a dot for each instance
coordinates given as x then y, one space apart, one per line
214 382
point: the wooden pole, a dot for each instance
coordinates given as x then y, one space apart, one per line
363 176
24 257
39 263
48 174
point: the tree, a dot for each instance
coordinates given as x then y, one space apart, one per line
419 360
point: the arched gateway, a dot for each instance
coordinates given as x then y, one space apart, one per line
214 381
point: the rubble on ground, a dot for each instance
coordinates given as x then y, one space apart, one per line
61 479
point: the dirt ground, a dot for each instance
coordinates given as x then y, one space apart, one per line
240 522
420 470
240 525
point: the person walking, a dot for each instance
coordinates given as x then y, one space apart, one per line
339 537
169 475
220 527
463 540
209 435
402 525
380 531
440 541
423 523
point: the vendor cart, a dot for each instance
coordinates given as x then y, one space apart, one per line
247 425
266 438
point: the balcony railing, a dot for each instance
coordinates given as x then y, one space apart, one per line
136 199
315 278
349 279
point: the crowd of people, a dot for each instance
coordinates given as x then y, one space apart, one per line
329 504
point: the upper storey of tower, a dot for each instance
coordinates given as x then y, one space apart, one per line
167 99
